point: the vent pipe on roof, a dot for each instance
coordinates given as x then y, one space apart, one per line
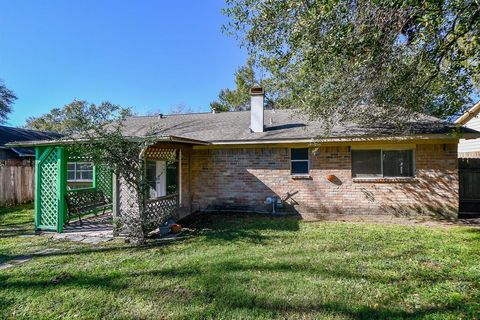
256 109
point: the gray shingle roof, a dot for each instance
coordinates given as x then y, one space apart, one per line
280 125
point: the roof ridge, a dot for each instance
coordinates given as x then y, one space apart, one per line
206 112
185 114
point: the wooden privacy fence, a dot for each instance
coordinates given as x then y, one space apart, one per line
16 185
469 174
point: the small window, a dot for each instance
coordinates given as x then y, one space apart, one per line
79 175
382 163
80 171
299 161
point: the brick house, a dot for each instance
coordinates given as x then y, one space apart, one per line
236 160
244 161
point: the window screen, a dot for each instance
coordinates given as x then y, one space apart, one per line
398 163
299 161
366 163
382 163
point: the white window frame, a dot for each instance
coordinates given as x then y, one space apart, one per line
307 160
386 148
75 171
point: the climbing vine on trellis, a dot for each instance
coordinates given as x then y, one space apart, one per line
104 180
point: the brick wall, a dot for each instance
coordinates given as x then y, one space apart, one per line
246 176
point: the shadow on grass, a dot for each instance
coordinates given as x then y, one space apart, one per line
239 226
224 290
16 221
15 232
213 227
224 285
17 214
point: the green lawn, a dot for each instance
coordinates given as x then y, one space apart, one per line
238 266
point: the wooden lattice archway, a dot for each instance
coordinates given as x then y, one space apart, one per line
51 186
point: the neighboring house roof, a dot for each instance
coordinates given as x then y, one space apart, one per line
11 134
469 114
280 126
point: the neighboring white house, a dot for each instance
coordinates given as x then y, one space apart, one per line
470 119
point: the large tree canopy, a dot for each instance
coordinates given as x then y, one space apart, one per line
7 97
76 116
239 98
369 60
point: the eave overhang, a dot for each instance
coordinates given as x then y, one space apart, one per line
313 140
73 141
351 139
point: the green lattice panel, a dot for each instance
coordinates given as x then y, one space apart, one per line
104 180
49 192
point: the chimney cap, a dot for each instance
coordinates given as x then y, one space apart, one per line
256 90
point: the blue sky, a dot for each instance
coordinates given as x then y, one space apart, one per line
150 55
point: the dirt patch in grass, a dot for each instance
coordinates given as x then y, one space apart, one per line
390 219
206 219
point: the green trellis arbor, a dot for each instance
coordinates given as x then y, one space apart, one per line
51 185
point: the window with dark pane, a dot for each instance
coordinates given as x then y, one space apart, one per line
366 163
300 154
398 163
172 173
299 161
151 173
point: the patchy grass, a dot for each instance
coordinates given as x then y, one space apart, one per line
239 266
20 217
16 232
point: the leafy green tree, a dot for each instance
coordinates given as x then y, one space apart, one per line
99 135
7 98
370 60
239 98
75 116
106 145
